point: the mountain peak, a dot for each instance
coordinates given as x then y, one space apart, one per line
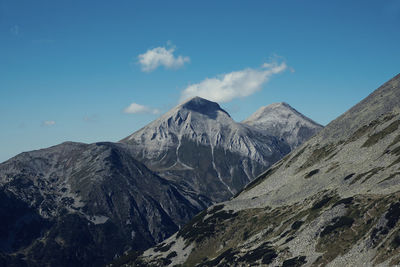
277 107
276 112
197 117
282 120
278 104
203 106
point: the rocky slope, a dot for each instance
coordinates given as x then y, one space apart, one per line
284 122
81 205
198 145
333 201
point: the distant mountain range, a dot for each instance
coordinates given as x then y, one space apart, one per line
80 204
335 201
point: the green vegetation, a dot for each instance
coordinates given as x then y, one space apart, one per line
346 201
132 256
318 155
333 166
367 128
295 262
338 222
295 157
163 247
200 229
296 225
362 212
360 132
390 177
233 231
372 173
171 255
393 215
264 253
319 204
261 178
348 176
368 175
311 173
373 139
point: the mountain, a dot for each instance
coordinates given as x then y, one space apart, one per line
333 201
284 122
81 205
198 145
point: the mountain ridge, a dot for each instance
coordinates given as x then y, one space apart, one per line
85 193
238 152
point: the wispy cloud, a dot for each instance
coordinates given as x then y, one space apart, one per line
137 108
15 30
237 84
48 123
161 56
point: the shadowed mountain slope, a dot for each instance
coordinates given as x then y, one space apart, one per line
77 204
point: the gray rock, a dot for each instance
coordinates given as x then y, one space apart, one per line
198 145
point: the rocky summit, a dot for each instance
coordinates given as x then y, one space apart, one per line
284 122
333 201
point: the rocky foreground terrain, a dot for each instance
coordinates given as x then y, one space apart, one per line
80 204
333 201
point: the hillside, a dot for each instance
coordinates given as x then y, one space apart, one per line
333 201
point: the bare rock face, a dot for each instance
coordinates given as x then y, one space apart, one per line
284 122
198 145
333 201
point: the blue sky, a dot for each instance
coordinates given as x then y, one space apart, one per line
71 70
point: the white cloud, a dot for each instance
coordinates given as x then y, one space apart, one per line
161 56
232 85
48 123
137 108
